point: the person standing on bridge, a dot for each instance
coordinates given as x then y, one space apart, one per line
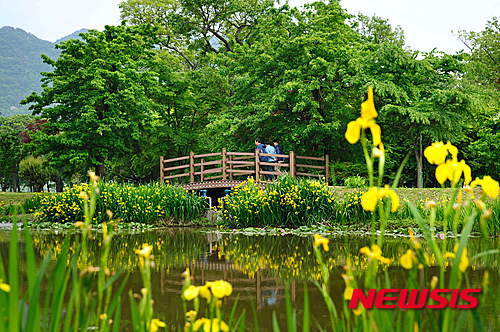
262 149
271 150
279 150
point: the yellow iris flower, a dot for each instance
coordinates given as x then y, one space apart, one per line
379 151
368 110
452 170
434 282
408 259
220 288
370 198
214 325
375 253
353 131
490 186
191 315
191 292
4 287
437 152
145 251
366 120
320 241
348 292
464 260
205 292
156 324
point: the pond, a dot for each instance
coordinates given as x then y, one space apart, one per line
258 266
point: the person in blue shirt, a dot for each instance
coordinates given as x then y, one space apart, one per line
279 149
261 147
266 148
271 150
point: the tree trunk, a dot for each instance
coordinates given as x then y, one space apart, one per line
419 157
59 184
16 187
99 168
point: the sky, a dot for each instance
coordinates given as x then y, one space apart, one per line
427 24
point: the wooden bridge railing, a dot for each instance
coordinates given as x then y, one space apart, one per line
227 165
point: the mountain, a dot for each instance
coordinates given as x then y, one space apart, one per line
20 66
74 35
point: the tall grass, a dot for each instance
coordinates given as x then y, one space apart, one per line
68 293
61 293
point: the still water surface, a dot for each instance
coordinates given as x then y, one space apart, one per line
258 266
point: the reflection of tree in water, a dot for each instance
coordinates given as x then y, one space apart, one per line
285 257
257 266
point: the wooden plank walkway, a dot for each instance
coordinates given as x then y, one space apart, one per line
227 169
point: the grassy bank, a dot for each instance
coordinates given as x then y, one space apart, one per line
7 198
406 194
290 202
285 203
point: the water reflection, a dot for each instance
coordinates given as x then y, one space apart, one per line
257 266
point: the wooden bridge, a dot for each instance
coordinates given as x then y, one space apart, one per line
227 169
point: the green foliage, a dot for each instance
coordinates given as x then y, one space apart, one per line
288 202
147 204
34 171
483 151
11 149
203 75
355 182
96 98
287 78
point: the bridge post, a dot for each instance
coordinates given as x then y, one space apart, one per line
291 161
327 168
257 166
161 170
191 167
230 168
224 158
202 169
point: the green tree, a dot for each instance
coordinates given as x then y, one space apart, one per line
482 82
417 94
11 149
34 171
189 29
288 82
96 98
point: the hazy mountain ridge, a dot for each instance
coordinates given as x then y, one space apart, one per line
21 64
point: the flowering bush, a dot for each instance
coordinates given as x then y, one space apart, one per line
287 202
145 204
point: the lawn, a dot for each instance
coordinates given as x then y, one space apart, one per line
7 198
406 194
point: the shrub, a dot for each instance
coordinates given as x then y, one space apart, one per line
288 202
355 182
145 204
